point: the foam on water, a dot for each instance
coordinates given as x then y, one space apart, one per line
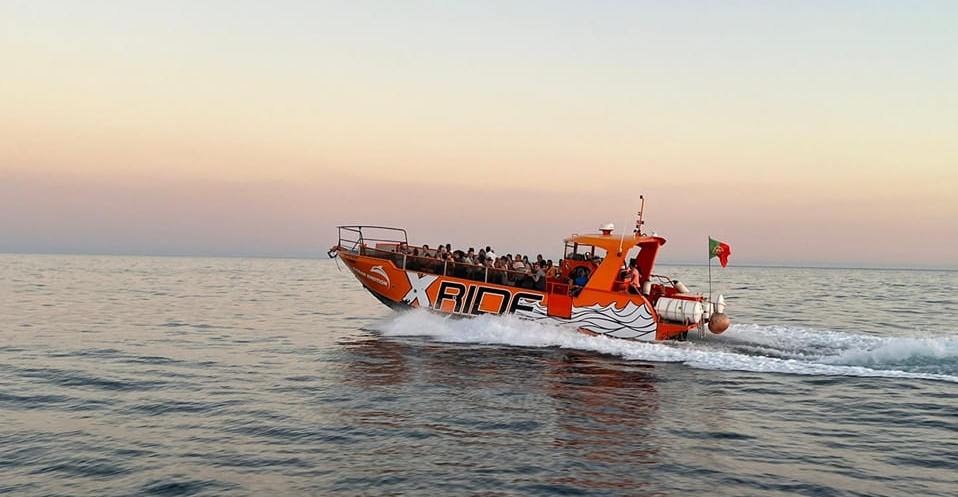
744 347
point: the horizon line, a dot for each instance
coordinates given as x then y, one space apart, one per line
319 256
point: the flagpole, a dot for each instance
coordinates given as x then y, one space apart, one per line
710 277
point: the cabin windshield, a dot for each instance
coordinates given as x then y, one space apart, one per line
583 252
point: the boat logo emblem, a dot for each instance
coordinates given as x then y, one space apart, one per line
381 272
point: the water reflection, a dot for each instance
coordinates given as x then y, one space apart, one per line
607 409
538 409
373 361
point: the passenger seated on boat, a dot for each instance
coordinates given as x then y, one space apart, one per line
499 275
519 268
524 280
477 271
508 276
461 271
466 264
449 263
517 264
538 277
579 281
487 271
551 270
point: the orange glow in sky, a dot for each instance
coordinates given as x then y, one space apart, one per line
799 133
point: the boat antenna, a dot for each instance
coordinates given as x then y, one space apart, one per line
639 222
621 241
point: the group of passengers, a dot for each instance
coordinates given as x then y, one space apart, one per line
518 270
483 265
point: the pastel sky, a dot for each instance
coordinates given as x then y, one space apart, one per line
813 132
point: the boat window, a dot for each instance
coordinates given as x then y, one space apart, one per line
598 255
579 252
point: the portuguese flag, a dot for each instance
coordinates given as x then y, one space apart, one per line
720 250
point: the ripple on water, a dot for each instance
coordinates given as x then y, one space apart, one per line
81 379
183 485
229 377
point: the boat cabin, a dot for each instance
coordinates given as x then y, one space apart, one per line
603 257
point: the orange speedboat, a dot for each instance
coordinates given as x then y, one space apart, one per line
589 289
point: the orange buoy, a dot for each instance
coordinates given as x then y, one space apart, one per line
718 323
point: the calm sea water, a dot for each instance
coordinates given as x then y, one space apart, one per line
188 376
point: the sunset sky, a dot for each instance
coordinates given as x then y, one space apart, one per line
800 133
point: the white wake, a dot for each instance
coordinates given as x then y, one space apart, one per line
755 348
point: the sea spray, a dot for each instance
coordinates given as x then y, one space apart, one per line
745 347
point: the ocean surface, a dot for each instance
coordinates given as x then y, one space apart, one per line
171 376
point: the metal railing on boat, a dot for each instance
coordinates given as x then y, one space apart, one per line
357 238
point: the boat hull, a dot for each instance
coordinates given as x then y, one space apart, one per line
609 313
